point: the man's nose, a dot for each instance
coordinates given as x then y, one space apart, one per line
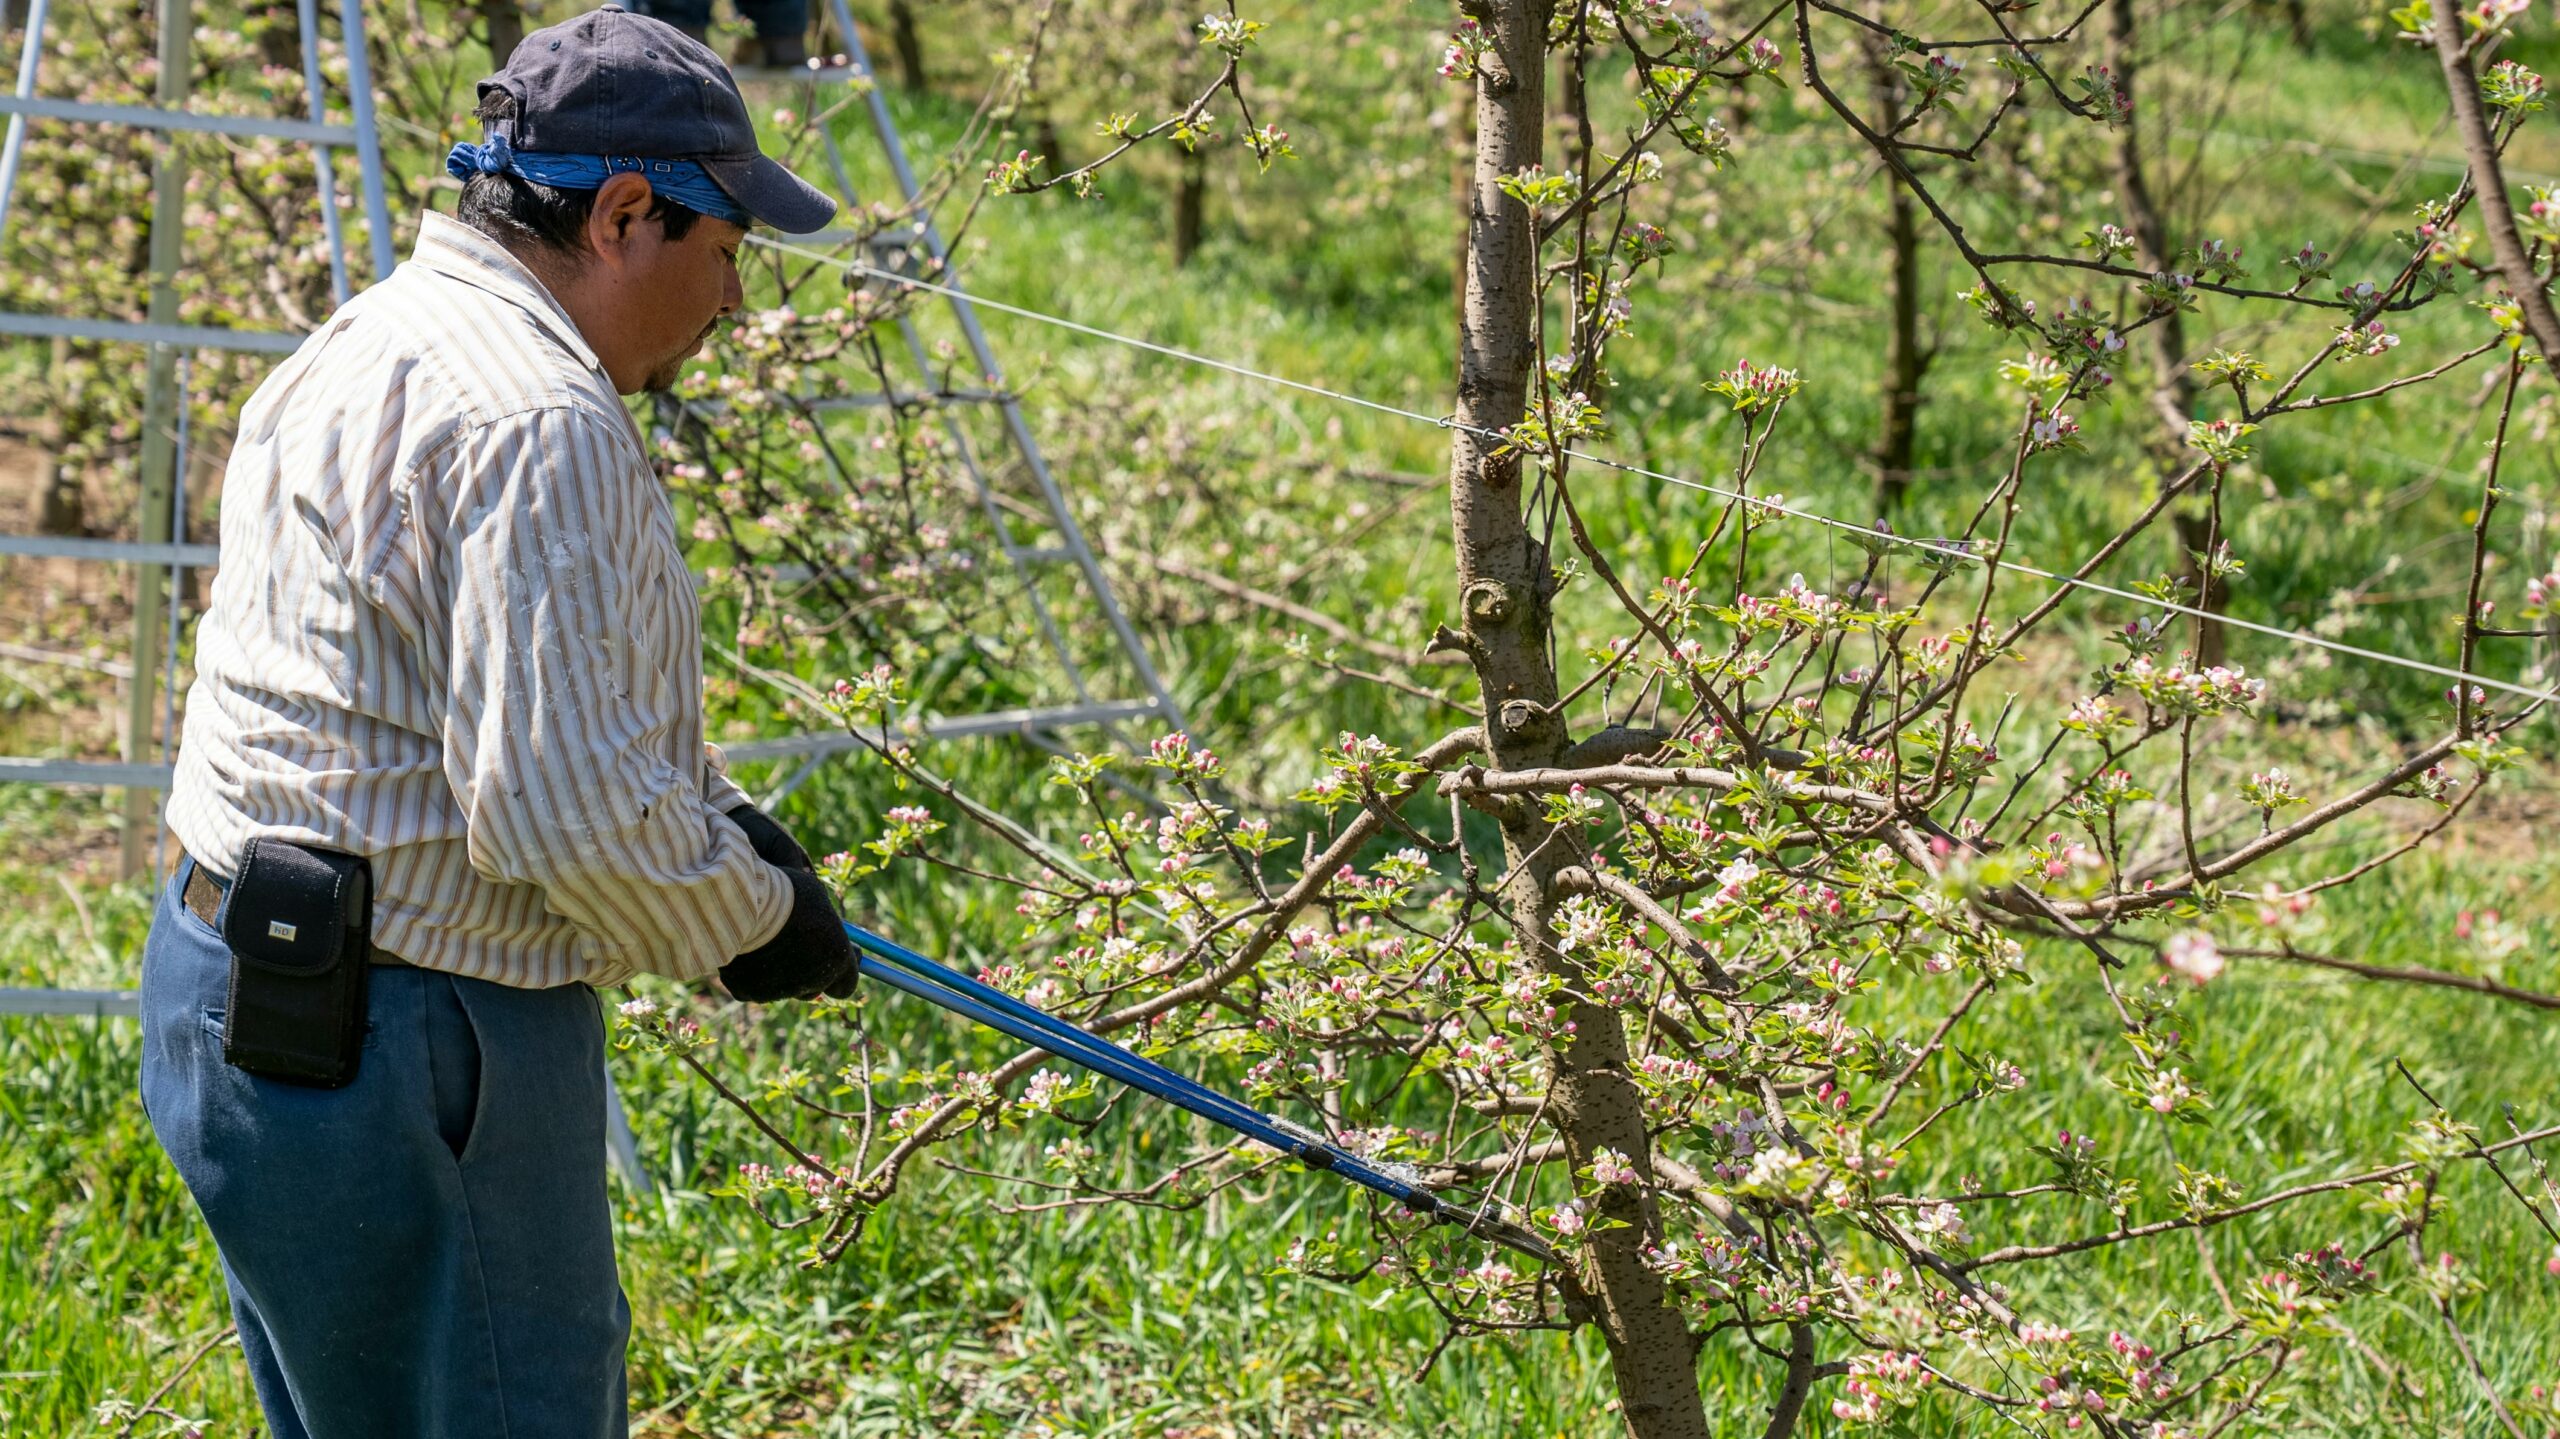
733 292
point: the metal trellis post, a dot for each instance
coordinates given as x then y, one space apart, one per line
159 403
156 557
160 554
166 338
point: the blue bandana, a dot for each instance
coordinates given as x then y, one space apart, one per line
682 181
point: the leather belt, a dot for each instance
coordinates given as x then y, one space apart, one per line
203 896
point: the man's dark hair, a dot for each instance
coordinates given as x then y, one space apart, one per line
513 210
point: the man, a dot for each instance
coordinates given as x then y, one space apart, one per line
781 26
443 771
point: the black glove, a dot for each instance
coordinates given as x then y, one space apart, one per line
807 957
774 844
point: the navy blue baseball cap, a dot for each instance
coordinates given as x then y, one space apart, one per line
611 83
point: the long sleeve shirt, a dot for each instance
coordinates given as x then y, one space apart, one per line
452 632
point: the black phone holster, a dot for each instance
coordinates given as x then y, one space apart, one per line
299 924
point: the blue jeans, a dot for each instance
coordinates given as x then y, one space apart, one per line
428 1252
770 17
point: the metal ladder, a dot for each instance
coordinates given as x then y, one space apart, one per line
918 249
162 553
163 517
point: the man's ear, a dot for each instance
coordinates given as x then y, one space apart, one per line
614 221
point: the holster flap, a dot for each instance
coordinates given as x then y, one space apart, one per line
292 908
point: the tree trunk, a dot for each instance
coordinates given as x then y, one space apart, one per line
1049 144
2173 388
280 41
1191 176
1506 587
2297 16
62 507
1190 195
908 43
2496 212
505 19
1570 103
1904 361
1462 190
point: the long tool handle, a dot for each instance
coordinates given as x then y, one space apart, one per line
905 970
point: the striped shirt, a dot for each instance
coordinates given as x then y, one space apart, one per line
452 632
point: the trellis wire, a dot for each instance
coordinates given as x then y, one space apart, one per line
1952 551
